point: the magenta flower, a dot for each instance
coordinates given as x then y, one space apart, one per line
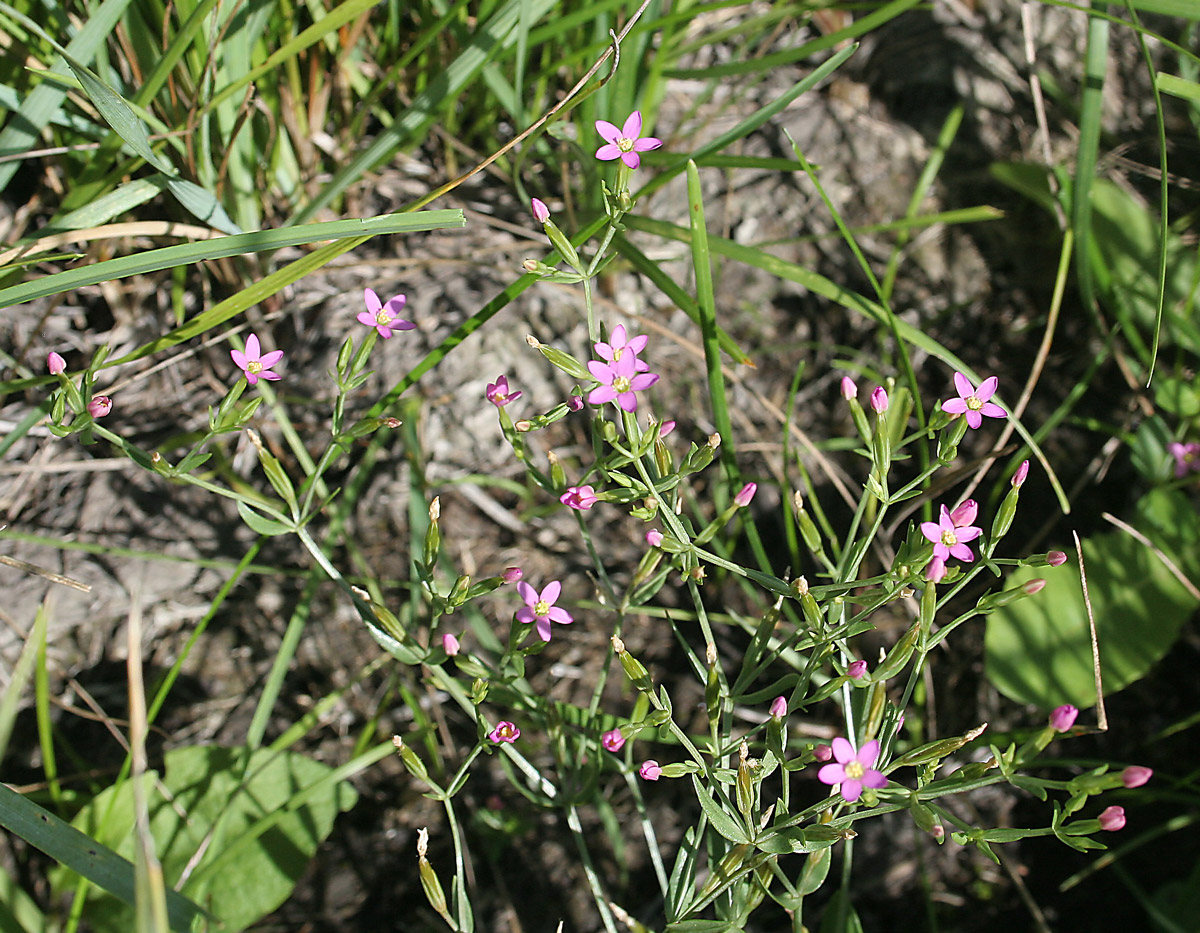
575 402
450 645
854 769
580 498
1136 776
56 364
619 381
1056 558
879 400
1062 717
1018 479
541 213
949 538
497 392
1112 819
256 364
512 575
779 707
974 403
665 428
849 389
540 608
654 537
505 731
1187 457
617 344
624 143
385 318
857 670
612 740
99 406
650 771
745 495
822 752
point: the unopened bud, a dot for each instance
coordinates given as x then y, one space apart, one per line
849 388
745 495
1136 776
654 537
392 423
512 575
575 402
1019 477
1056 558
857 670
435 509
541 213
530 265
779 707
822 753
100 406
1033 586
523 427
55 363
450 645
710 654
1063 717
879 400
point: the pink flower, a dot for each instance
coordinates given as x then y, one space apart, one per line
745 495
385 318
617 344
1031 587
580 498
540 608
256 364
879 400
1062 718
974 404
612 740
619 381
450 645
624 143
505 731
1187 457
56 364
541 213
949 538
1018 479
822 752
650 771
854 769
654 537
497 392
1056 558
666 428
99 406
849 389
935 570
857 670
512 575
575 402
1112 819
779 707
1136 776
965 513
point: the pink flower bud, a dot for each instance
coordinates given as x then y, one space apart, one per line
1063 717
450 645
650 771
100 406
965 514
1019 477
512 575
541 213
879 400
1056 558
654 537
1033 586
612 740
745 495
575 402
666 428
56 364
822 753
857 670
1112 819
849 389
779 707
1136 776
935 570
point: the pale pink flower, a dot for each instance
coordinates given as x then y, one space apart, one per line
619 381
779 707
55 363
505 731
618 344
1018 479
849 388
745 495
1030 587
623 143
654 537
650 771
612 740
857 670
256 364
949 539
1187 457
1112 819
541 213
450 645
879 400
1136 776
497 392
99 406
854 769
1062 717
540 608
666 428
385 318
974 403
580 498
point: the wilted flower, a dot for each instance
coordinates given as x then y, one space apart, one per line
619 381
580 498
1062 718
505 731
624 143
854 769
541 213
974 403
612 740
1112 819
575 402
779 707
256 364
385 318
1136 776
99 406
1187 457
497 392
650 771
666 428
55 363
540 608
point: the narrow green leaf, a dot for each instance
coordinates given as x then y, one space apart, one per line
1179 87
721 821
259 523
1090 118
203 205
11 700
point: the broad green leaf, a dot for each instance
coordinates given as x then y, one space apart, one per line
266 813
1039 649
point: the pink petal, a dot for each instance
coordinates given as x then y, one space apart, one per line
270 376
974 419
372 300
987 388
253 347
638 343
271 358
945 522
384 331
633 126
831 774
643 381
992 410
868 753
956 406
962 552
632 159
525 615
875 779
239 359
843 751
601 394
559 615
608 153
551 592
252 378
941 552
628 401
602 372
605 351
609 132
963 386
395 305
965 514
366 317
618 336
970 533
543 629
851 790
626 366
646 144
932 531
527 593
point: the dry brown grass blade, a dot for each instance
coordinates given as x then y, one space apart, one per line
110 232
1101 715
43 572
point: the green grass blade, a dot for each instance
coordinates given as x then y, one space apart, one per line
11 701
1095 63
1176 86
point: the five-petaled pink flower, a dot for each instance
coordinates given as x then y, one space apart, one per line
618 343
974 402
505 731
1187 457
540 608
385 318
618 381
497 392
256 364
581 498
853 770
949 535
650 771
612 740
623 143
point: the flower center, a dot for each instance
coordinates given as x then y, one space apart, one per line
621 384
973 403
383 318
541 608
254 366
505 731
625 144
949 538
854 770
